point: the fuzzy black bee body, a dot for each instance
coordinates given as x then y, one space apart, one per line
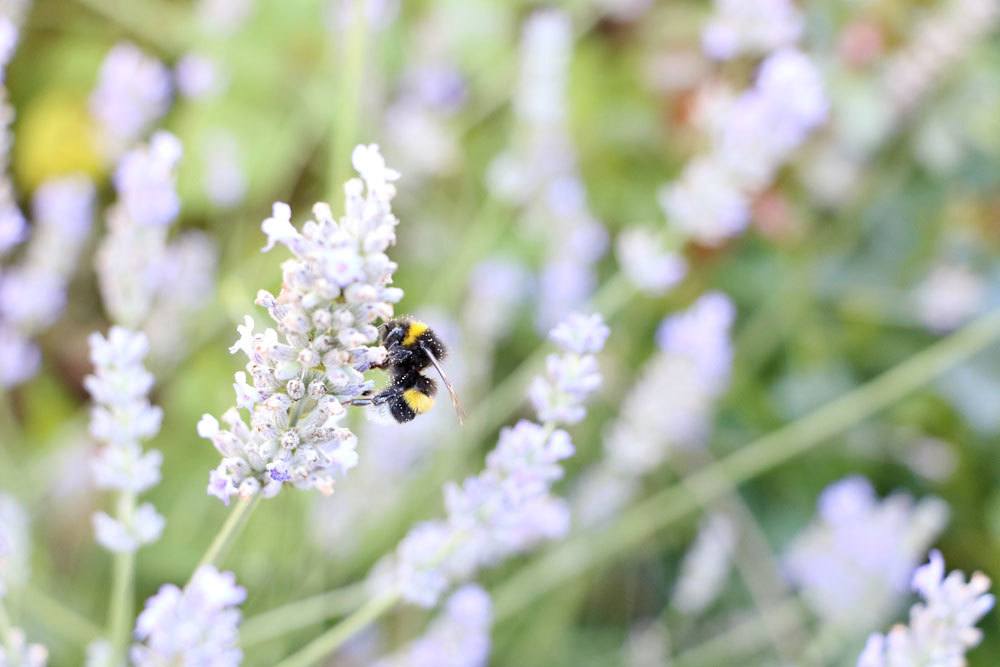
412 346
408 395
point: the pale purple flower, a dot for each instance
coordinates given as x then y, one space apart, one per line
705 203
795 87
506 509
33 292
942 628
19 357
668 410
17 652
647 264
128 533
199 76
133 91
853 563
949 296
334 290
120 419
738 27
563 286
572 376
146 181
702 334
458 637
196 625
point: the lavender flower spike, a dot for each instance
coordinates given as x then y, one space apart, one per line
508 508
120 419
19 653
459 637
198 625
335 288
942 627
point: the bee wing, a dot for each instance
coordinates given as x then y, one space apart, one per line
447 384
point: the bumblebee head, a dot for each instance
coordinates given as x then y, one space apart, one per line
403 332
394 331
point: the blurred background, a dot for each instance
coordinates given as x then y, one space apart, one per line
554 157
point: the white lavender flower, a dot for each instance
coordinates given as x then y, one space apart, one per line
667 411
130 257
646 263
120 419
17 652
197 625
751 138
705 203
508 508
458 637
706 565
738 27
145 181
199 76
854 562
133 91
33 293
14 545
334 290
949 296
942 628
573 375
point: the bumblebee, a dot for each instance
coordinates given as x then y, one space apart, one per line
412 346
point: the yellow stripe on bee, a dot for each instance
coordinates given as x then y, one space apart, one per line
418 402
413 332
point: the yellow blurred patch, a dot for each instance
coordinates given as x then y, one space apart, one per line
418 402
55 137
416 328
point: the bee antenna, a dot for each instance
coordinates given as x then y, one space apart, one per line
447 384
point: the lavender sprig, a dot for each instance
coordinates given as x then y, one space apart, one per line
507 508
942 628
196 625
335 289
458 637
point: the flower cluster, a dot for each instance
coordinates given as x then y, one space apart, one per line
539 172
33 292
508 507
133 91
17 652
942 628
334 291
752 136
949 296
130 256
669 410
737 28
198 625
458 637
854 562
120 419
646 261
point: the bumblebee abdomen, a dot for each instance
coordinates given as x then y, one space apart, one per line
418 401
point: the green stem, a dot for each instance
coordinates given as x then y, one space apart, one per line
334 638
345 126
122 586
230 530
55 615
590 549
301 614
